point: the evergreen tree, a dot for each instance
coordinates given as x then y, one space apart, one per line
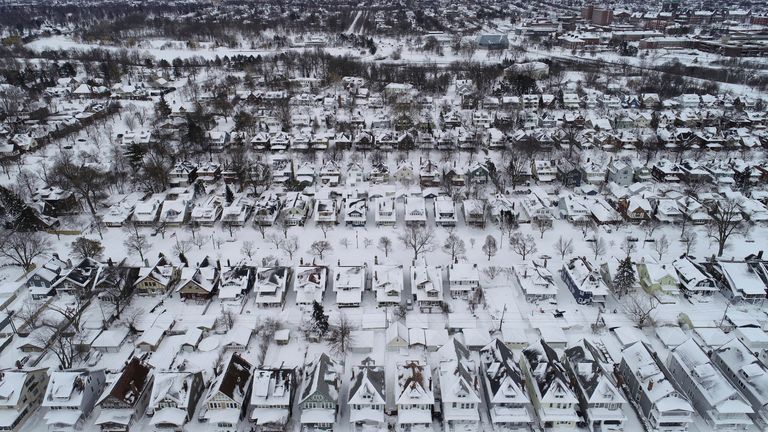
319 318
625 277
229 195
162 108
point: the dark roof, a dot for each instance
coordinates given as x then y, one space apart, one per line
318 378
553 370
235 376
128 387
500 353
375 375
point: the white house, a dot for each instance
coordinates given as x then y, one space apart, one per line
271 285
463 280
367 396
349 284
414 395
505 393
742 368
415 210
536 283
223 404
548 386
272 398
70 398
445 211
309 284
385 213
427 286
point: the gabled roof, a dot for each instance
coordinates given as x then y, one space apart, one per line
367 387
321 377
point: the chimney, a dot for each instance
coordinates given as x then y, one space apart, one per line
375 275
650 385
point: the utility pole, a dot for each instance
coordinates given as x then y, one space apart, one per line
502 316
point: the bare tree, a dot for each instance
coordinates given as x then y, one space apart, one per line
489 247
340 335
248 248
492 272
640 307
83 178
598 247
564 247
725 221
454 246
290 245
282 226
62 345
650 227
385 245
117 295
661 246
522 244
262 229
419 239
344 242
199 241
228 318
689 240
325 227
275 238
135 241
628 246
320 247
21 248
182 247
543 225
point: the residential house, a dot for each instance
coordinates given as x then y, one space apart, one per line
126 397
427 286
199 283
235 282
330 174
459 388
740 280
21 393
508 403
309 284
208 212
226 400
174 398
600 400
385 213
387 283
271 285
78 280
653 390
659 280
414 395
536 282
745 372
716 399
474 212
272 398
349 284
157 279
548 387
183 174
568 173
296 208
70 398
326 211
238 212
40 282
319 401
367 396
415 210
544 171
463 280
355 211
175 211
583 281
445 211
694 278
266 209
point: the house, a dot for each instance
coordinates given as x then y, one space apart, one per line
659 280
21 393
126 397
387 283
235 282
548 387
199 283
319 401
355 211
238 212
296 208
225 401
182 174
326 211
744 371
110 341
385 213
330 174
505 392
653 390
78 280
271 285
544 171
266 209
414 395
666 172
41 280
739 281
176 212
367 396
415 210
55 202
157 279
70 398
583 281
536 282
592 173
463 280
349 284
474 212
459 388
174 398
600 400
636 209
427 286
694 279
716 399
272 398
208 212
445 211
309 284
568 174
150 339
